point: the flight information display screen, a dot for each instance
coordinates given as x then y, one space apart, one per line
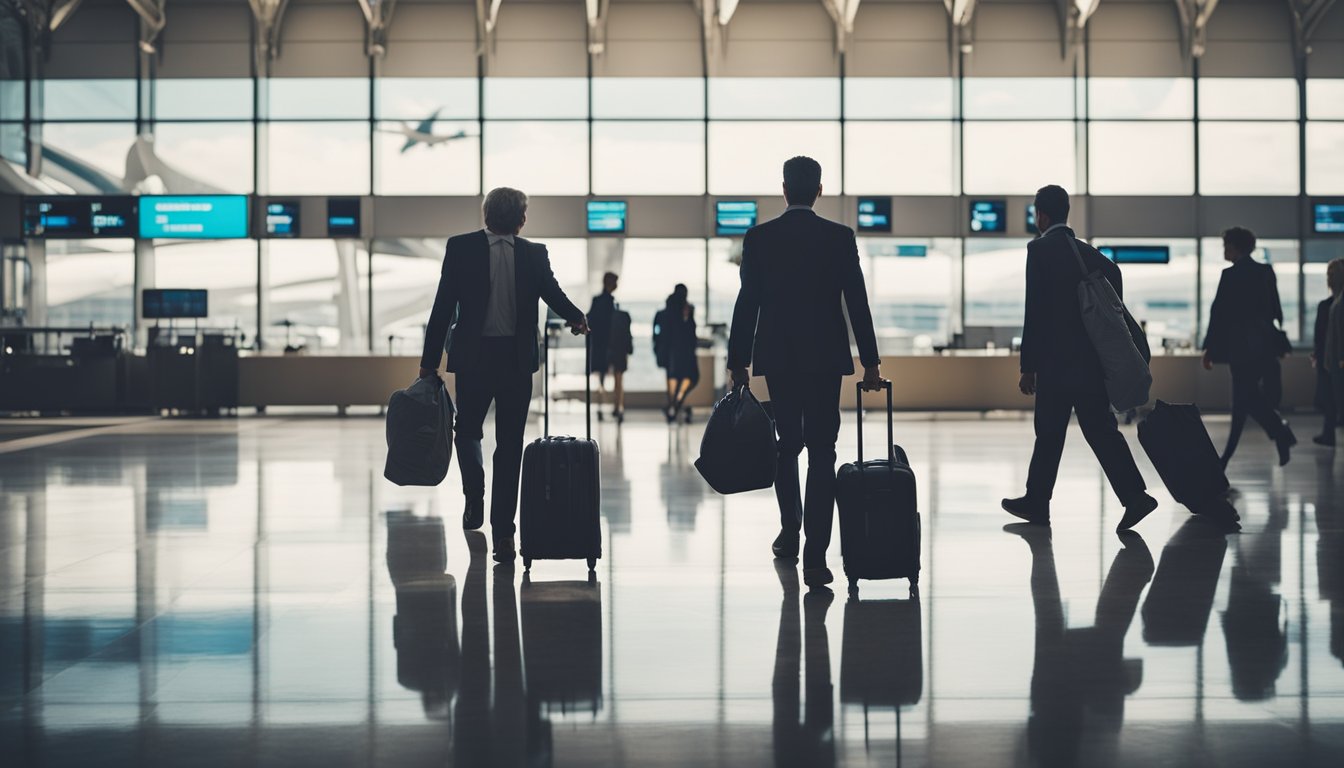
82 217
1031 220
174 303
343 217
988 216
1328 218
606 217
733 217
874 214
195 217
1137 254
282 218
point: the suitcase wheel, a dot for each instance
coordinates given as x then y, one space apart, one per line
592 564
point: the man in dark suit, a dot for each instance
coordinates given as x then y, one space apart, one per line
788 322
1242 333
491 282
1061 368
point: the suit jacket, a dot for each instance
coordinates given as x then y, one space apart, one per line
1322 329
464 289
788 317
1244 311
1054 340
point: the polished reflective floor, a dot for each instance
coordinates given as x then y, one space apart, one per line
252 592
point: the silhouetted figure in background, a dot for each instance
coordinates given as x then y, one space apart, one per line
1325 387
811 743
789 325
1334 351
610 350
1061 368
674 345
1082 671
1243 334
492 280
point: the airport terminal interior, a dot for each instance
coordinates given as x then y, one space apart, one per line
222 227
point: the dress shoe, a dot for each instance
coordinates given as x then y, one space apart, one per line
473 516
504 551
817 577
1135 511
1285 443
786 544
1326 440
1032 511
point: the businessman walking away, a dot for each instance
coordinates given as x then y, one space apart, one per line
788 324
491 281
1061 368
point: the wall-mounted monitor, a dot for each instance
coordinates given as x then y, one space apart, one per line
1136 254
734 217
195 217
1031 220
874 214
281 219
1328 217
988 217
343 217
70 216
174 303
606 217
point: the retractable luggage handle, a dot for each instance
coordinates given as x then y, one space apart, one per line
891 435
546 384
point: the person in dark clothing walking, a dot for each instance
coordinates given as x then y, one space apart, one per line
674 344
607 356
492 280
1325 389
789 324
1243 334
1061 369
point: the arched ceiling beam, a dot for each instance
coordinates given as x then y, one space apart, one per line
962 14
268 16
842 12
1307 17
1193 16
487 17
1073 17
377 18
597 25
152 21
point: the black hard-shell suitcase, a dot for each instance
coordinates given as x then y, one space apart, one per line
560 493
879 512
1180 600
562 643
1179 446
882 653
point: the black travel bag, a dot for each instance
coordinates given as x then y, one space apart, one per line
1179 446
419 433
562 643
560 493
1176 611
738 450
879 512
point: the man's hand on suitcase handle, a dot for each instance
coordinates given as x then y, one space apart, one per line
872 378
580 328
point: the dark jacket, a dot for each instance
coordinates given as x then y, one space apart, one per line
788 317
1322 330
1053 337
599 329
1243 314
464 288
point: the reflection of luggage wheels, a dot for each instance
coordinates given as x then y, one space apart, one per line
560 490
879 511
882 657
562 643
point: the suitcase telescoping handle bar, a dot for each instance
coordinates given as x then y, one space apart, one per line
891 435
546 384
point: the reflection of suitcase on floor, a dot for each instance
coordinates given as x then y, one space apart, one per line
1176 611
882 653
1175 439
560 493
879 513
562 643
415 546
424 630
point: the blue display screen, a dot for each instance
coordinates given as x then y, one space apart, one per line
210 217
1031 220
988 216
343 217
173 303
282 219
874 214
1137 254
606 217
734 217
83 217
1329 218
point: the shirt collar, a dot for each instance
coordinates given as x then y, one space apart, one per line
495 238
1053 227
807 208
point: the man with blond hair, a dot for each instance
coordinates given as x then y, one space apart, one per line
491 282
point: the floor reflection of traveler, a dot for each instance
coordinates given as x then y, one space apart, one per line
811 742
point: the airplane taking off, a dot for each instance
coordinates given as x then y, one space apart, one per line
423 133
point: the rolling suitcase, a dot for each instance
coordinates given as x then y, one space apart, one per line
560 493
879 512
1179 446
562 643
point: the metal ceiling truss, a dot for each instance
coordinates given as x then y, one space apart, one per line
1073 18
268 16
377 19
152 21
44 17
1307 17
1194 16
597 25
842 13
487 17
961 13
714 18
